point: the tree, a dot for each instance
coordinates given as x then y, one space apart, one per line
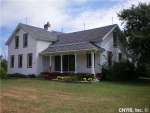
3 63
136 31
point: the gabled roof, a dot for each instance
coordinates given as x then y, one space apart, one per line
90 35
73 47
37 33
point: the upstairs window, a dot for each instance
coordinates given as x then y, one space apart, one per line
114 39
12 58
29 60
109 58
89 63
25 40
20 58
16 42
120 57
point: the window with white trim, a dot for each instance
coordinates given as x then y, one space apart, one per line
114 39
16 42
20 59
12 59
29 60
25 40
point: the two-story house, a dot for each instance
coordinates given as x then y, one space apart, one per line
33 50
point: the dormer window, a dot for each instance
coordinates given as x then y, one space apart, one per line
25 40
16 42
114 39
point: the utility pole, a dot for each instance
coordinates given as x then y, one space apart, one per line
84 25
26 19
112 20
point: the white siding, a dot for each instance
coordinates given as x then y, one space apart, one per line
41 45
107 44
98 43
30 49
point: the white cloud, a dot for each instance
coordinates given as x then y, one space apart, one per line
61 13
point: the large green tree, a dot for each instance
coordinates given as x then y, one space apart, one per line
136 31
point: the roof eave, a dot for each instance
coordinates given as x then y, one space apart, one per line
92 49
28 31
13 33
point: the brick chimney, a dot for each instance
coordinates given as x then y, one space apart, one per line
47 26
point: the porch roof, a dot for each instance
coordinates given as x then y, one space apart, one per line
73 47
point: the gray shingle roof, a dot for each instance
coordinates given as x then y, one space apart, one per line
41 33
86 35
72 47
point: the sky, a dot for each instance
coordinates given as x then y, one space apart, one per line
63 15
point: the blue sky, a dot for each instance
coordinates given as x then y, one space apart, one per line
67 14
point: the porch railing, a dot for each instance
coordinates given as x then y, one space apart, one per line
48 69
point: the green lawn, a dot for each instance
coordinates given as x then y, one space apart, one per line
40 96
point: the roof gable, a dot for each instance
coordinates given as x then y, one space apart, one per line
37 33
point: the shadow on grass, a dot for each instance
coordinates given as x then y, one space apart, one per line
139 82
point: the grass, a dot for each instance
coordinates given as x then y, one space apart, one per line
40 96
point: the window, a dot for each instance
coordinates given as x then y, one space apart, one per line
57 63
12 58
29 60
120 57
89 63
68 62
115 39
109 58
16 42
25 40
20 58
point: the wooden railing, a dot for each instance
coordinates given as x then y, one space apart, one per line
48 69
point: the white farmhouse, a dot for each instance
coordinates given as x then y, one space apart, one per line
33 50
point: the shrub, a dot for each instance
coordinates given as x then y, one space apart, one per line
120 71
143 70
104 73
80 77
71 78
31 76
17 75
40 76
2 72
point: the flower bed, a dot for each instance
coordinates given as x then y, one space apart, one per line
76 79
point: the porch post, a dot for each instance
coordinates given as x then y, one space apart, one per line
101 63
92 62
75 63
61 68
50 60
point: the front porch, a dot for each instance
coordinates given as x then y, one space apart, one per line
68 63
